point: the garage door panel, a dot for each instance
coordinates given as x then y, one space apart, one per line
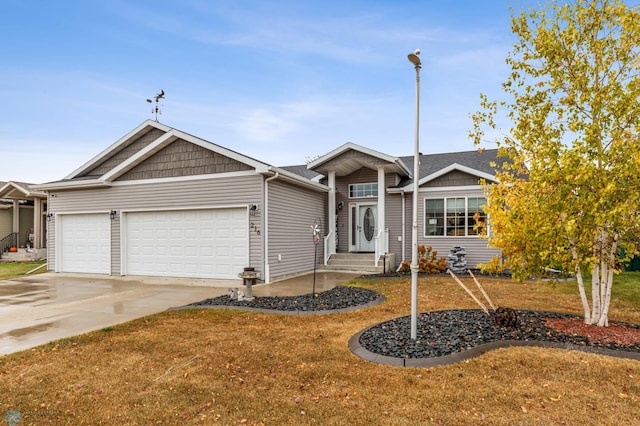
85 243
192 243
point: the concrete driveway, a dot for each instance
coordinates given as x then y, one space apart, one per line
38 309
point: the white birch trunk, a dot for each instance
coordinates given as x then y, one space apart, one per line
595 294
608 284
583 293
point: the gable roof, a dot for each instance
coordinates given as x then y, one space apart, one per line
143 142
19 190
476 163
343 164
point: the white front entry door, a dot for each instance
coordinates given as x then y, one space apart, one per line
363 227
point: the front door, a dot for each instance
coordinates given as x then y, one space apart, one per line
364 218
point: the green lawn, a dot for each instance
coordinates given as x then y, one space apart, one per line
15 270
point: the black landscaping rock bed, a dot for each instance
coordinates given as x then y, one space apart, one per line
338 298
446 333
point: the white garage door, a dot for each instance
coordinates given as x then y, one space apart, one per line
187 243
85 243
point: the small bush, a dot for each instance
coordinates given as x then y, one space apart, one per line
428 262
495 266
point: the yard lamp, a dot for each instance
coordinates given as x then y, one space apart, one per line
415 60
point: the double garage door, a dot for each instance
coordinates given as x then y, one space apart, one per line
210 243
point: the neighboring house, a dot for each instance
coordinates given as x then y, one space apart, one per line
22 218
165 203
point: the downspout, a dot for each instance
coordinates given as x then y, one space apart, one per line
403 226
265 227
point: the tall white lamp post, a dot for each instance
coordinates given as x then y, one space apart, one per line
415 60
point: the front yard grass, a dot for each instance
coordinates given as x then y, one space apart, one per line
19 269
232 368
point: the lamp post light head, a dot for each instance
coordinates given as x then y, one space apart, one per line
415 59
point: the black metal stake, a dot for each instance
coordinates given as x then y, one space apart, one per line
315 257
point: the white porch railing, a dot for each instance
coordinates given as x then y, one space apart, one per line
327 247
382 244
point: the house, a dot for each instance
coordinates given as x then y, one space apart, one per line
22 219
162 202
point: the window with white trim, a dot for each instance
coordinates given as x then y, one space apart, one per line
453 217
363 190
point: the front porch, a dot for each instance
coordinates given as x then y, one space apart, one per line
22 221
357 212
360 262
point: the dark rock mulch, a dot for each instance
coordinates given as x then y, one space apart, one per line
442 333
337 298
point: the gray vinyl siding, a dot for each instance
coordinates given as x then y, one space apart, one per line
394 224
6 222
115 248
235 191
292 211
25 223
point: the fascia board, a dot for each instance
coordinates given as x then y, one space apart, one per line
298 179
74 184
12 187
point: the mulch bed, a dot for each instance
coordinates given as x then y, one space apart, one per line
447 332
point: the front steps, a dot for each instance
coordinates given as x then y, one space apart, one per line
22 255
361 262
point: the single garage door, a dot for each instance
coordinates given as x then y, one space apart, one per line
209 243
85 243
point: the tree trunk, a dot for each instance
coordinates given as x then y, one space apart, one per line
583 294
595 293
608 283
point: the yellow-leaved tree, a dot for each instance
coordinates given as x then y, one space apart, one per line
570 196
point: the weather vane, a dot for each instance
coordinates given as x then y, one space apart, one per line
156 109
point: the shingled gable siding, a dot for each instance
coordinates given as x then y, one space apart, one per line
453 178
125 152
182 158
292 211
225 191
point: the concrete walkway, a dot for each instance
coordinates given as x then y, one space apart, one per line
51 306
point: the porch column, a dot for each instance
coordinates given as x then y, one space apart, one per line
37 223
331 226
16 216
381 207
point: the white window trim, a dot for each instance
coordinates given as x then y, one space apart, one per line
466 213
366 196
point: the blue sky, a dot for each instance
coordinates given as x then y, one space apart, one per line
279 81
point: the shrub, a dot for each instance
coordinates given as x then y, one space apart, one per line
428 263
495 266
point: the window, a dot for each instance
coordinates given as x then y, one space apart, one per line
434 215
453 217
475 214
363 190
